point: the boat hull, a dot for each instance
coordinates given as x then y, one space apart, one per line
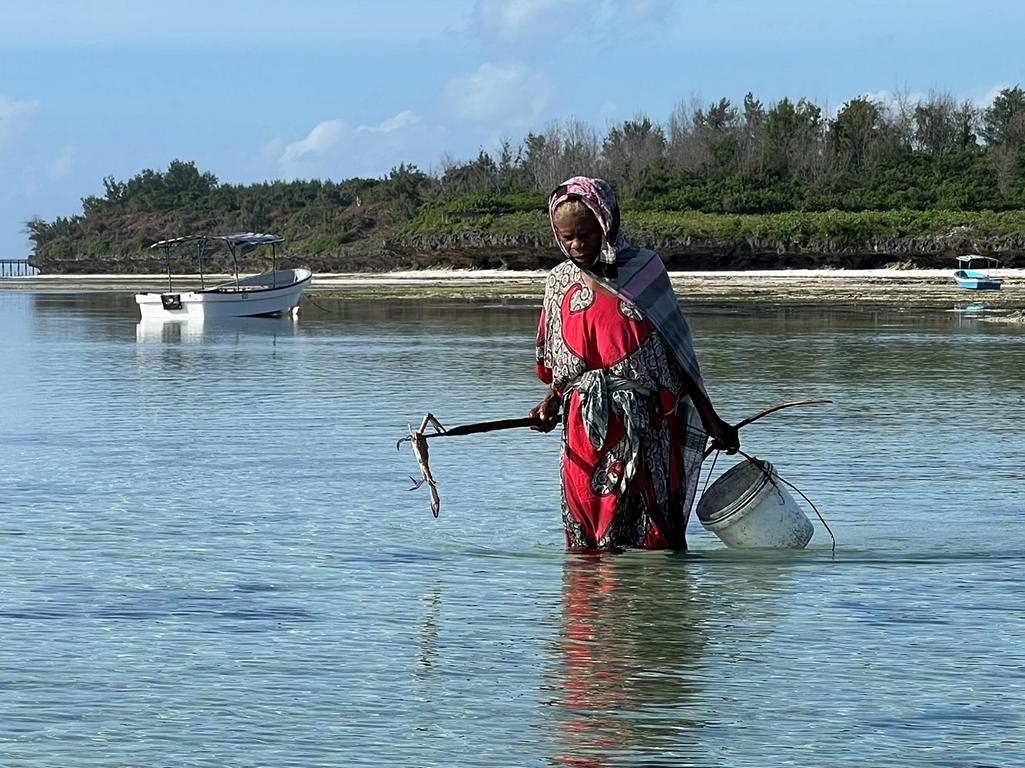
977 281
976 284
265 295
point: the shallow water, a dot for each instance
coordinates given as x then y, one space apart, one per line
211 557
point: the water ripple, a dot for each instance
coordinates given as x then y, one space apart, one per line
211 557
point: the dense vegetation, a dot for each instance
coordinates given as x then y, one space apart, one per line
786 174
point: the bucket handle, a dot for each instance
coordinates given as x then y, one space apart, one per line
761 465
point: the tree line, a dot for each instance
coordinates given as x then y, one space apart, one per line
748 158
935 153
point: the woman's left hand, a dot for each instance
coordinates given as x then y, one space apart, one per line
725 436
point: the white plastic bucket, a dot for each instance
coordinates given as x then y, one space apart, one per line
748 507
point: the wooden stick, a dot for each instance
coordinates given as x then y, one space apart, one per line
766 412
487 426
533 421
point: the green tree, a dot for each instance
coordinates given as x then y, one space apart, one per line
716 128
1003 122
632 152
792 135
942 126
751 149
857 133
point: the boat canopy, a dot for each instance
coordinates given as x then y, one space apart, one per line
174 242
237 243
247 239
975 257
243 239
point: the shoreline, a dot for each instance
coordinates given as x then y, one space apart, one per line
893 288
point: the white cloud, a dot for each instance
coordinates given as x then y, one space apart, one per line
527 20
521 14
536 22
62 164
321 141
984 99
15 119
500 94
888 100
330 138
980 99
333 149
608 109
403 119
885 97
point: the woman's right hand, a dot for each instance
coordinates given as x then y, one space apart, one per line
547 412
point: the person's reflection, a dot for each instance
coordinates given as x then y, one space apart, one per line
427 647
637 680
630 642
424 671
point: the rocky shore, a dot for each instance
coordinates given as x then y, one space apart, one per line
475 250
889 289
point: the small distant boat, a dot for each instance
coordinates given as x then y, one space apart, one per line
977 279
268 294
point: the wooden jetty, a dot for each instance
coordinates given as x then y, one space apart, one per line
17 268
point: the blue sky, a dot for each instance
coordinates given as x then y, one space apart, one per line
254 90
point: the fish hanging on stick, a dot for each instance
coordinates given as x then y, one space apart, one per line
418 442
417 439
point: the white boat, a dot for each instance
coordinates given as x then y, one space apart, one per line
975 279
268 294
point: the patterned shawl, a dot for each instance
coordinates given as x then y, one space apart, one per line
639 277
598 196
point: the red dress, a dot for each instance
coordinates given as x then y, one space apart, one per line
622 458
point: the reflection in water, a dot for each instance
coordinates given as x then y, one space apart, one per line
429 689
427 648
640 639
196 330
631 639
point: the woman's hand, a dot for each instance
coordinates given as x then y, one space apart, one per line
725 436
547 411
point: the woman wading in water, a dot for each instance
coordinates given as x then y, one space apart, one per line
616 353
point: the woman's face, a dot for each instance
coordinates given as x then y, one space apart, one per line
579 233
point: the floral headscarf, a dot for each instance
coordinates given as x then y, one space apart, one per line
598 196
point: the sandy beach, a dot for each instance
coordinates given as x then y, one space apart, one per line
889 288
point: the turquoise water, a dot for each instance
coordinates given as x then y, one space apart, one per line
211 557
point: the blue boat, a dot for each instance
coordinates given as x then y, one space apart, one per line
977 279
